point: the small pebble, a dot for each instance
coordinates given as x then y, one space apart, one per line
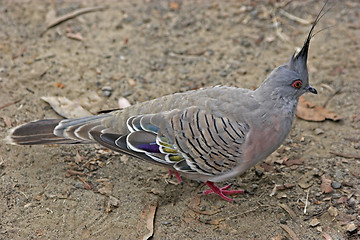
165 223
318 131
351 227
223 73
314 222
107 91
336 185
114 201
336 195
352 202
333 211
259 173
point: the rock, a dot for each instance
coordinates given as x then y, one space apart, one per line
351 227
107 91
223 73
352 202
114 201
283 221
318 131
165 223
333 211
336 185
314 222
259 173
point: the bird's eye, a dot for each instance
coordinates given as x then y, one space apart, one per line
296 84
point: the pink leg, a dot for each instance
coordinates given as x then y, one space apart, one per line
221 191
177 175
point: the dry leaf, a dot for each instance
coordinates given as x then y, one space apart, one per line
123 103
267 167
92 102
306 110
66 108
147 217
291 162
326 185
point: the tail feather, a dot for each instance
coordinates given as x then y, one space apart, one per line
37 132
61 131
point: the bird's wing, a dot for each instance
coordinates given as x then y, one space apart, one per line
190 140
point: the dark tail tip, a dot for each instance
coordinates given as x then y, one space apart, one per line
38 132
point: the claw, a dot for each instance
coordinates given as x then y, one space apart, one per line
221 191
177 175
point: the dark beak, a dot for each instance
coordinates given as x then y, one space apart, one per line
312 90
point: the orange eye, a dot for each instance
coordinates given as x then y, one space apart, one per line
296 84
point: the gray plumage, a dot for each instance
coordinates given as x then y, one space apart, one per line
210 134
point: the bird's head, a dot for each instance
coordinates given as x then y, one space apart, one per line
291 80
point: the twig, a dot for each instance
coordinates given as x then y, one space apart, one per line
10 103
346 155
306 201
273 192
86 185
294 18
71 15
73 172
327 236
289 231
288 210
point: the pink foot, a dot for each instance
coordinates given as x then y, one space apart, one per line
177 175
221 191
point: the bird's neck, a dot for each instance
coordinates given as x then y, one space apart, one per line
276 103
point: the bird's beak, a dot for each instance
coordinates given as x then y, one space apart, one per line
312 90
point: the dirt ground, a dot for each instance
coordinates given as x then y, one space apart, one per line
141 50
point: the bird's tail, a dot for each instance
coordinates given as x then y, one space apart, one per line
60 131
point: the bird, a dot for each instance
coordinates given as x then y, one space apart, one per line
208 135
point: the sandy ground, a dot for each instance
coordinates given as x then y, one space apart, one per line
146 49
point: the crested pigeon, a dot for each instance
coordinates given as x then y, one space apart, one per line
209 135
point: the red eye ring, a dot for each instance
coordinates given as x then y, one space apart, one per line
296 84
